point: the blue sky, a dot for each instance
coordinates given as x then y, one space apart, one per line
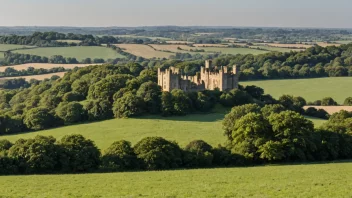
264 13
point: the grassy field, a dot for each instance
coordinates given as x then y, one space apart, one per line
183 130
5 47
310 180
312 89
46 66
1 55
225 50
38 77
79 53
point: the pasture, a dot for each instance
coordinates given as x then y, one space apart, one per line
6 47
227 50
183 130
339 88
80 52
45 66
1 55
332 109
144 51
308 180
37 77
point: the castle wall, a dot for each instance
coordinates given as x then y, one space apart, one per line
207 79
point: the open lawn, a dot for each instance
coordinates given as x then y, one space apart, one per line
80 52
309 180
183 130
144 51
45 66
5 47
339 88
37 77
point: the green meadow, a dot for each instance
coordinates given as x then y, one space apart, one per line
80 52
339 88
5 47
310 180
207 127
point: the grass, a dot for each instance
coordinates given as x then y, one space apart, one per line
5 47
339 88
2 56
79 53
310 180
183 130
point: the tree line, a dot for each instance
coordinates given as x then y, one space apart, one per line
11 71
255 134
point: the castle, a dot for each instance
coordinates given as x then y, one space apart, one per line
209 78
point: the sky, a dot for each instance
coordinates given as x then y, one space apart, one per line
247 13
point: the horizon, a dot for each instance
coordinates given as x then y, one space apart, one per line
203 13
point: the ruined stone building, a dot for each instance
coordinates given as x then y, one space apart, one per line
209 78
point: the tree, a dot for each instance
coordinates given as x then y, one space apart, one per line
71 112
39 118
348 101
295 133
78 154
235 114
181 102
157 153
98 109
150 92
249 133
167 107
328 101
198 154
127 106
120 156
267 110
38 155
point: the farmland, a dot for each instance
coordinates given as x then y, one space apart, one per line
332 109
37 77
79 53
144 51
69 41
311 89
310 180
45 66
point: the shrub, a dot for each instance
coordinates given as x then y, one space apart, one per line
120 156
328 101
348 101
38 155
157 153
71 112
39 118
127 106
79 154
198 154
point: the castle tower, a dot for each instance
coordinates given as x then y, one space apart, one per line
208 64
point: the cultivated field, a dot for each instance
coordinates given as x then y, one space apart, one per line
37 77
332 109
141 37
79 53
179 42
183 130
339 88
173 48
69 41
144 51
324 44
5 47
285 45
210 45
45 66
226 50
310 180
275 49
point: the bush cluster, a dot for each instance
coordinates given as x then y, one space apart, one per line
75 154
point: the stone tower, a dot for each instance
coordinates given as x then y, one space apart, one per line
209 78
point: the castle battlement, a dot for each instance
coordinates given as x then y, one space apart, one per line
209 78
